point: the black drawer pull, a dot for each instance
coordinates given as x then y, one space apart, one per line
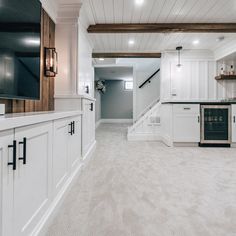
198 119
234 119
71 128
13 163
187 108
91 107
23 158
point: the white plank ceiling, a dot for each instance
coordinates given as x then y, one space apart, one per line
158 11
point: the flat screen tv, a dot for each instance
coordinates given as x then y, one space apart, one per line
20 31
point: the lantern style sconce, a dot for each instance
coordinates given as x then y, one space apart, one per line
51 64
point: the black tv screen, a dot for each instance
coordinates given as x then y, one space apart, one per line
20 31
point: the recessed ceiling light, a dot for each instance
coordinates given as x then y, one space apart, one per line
101 59
196 42
131 42
139 2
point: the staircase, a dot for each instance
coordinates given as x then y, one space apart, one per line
148 126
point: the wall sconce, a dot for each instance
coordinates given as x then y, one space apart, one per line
50 68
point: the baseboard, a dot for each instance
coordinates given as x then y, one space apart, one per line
167 141
56 203
90 151
185 144
98 123
118 121
144 137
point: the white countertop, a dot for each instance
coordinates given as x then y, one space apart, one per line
75 96
15 120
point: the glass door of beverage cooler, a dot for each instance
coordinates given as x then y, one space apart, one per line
215 124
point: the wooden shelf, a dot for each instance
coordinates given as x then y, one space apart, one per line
226 77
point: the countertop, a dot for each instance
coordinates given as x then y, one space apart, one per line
15 120
213 102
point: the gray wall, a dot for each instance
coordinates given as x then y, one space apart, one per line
97 96
116 103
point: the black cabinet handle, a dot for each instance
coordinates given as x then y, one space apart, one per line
234 119
13 163
23 158
71 128
198 119
91 107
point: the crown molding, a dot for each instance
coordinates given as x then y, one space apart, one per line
68 13
51 8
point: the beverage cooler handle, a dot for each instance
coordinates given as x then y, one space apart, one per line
23 158
13 163
198 119
91 108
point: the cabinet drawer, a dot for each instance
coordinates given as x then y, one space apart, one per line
186 108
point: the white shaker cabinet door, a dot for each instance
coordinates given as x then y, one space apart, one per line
62 129
6 181
75 143
32 179
186 123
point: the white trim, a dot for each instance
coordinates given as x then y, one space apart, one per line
90 151
55 205
98 123
118 121
58 200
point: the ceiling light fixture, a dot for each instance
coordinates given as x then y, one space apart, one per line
179 48
196 42
139 2
131 42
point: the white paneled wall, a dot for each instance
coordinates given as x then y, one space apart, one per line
195 80
85 68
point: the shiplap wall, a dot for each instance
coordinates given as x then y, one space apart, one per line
195 80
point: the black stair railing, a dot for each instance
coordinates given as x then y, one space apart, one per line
149 78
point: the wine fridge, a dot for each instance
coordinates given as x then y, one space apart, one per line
215 124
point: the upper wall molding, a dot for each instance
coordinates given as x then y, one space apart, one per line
68 13
50 6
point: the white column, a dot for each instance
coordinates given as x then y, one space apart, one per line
67 48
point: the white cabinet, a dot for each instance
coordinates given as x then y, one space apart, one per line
67 150
233 111
26 168
88 129
32 180
60 154
186 123
75 143
6 182
35 163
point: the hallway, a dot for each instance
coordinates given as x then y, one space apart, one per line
148 189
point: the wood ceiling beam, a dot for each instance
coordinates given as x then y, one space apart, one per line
126 55
164 28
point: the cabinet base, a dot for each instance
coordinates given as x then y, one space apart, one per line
220 145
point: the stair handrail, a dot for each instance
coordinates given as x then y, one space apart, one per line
148 80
